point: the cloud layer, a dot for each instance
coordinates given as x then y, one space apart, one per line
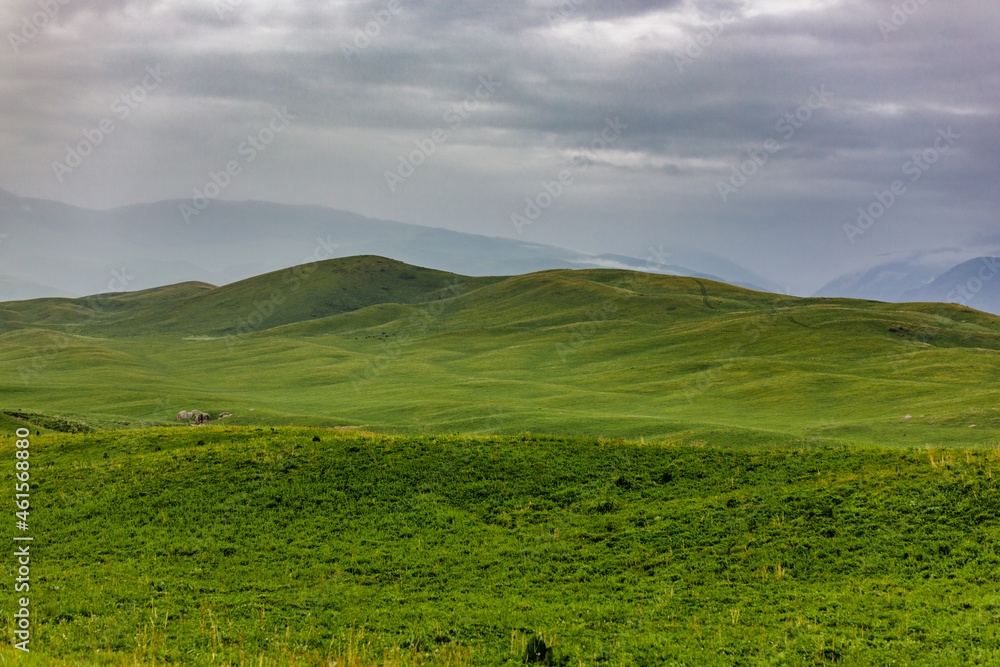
754 128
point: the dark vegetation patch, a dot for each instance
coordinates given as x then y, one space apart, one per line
50 422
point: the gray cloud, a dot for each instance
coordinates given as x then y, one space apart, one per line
563 68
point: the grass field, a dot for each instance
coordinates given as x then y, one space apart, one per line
734 477
375 343
231 545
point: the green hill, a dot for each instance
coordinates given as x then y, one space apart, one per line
292 295
230 546
367 341
747 478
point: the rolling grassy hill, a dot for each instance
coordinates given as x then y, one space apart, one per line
290 546
749 479
292 295
367 341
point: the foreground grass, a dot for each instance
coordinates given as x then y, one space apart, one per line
312 547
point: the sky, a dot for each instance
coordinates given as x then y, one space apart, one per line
803 139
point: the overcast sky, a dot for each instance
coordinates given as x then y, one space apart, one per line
755 129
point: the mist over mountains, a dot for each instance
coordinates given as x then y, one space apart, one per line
51 249
975 283
883 282
940 276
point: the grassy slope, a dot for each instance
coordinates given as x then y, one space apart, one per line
291 295
256 546
261 546
596 352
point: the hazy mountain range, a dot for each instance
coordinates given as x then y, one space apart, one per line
52 249
975 283
921 277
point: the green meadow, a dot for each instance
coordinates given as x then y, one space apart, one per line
423 468
373 343
261 546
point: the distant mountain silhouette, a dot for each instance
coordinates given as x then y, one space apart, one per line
79 251
885 282
975 283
